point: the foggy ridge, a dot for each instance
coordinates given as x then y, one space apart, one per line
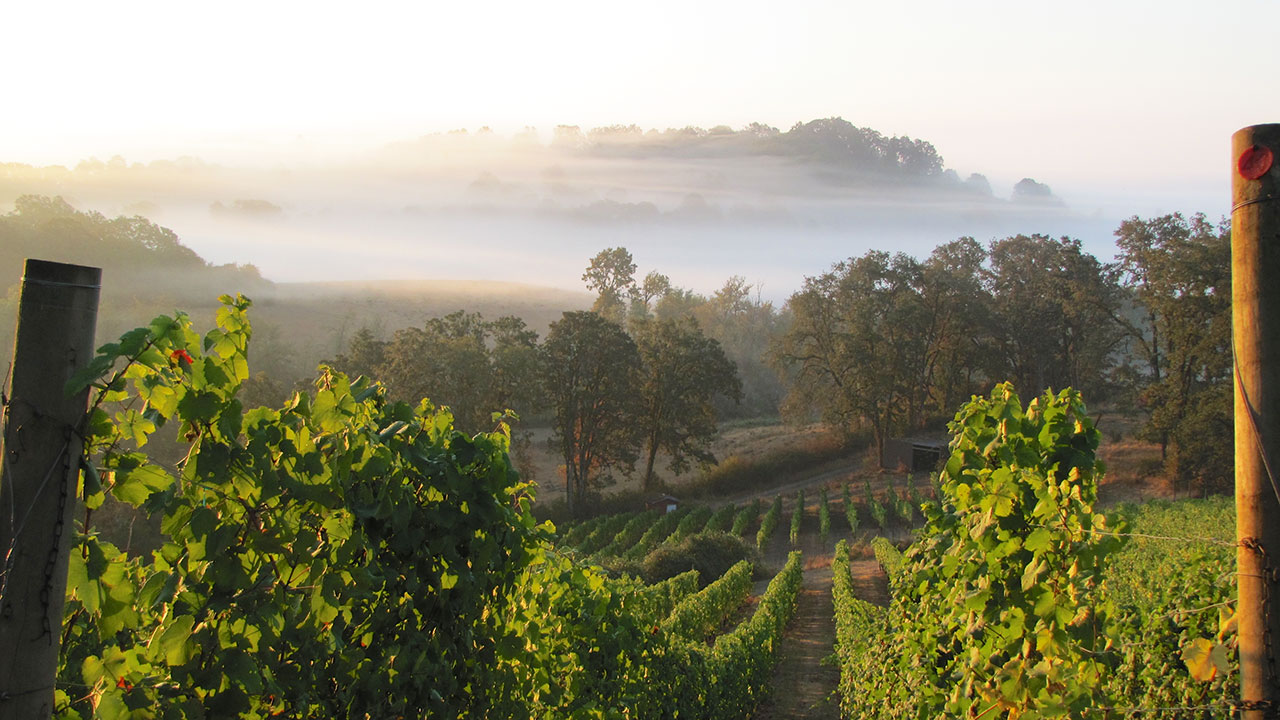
770 205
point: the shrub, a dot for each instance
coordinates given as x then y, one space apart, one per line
711 554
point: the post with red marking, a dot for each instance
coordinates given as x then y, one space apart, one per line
57 314
1255 317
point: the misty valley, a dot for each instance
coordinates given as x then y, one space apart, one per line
612 425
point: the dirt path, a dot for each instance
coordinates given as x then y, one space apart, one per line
802 686
869 582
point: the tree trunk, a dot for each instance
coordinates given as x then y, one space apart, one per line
647 484
570 470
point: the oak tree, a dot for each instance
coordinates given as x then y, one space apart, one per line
590 371
682 372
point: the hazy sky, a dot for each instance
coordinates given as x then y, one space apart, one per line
1099 99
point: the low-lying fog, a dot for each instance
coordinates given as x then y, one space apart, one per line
475 206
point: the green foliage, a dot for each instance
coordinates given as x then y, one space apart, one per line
579 645
998 604
863 640
1053 308
576 532
711 554
591 367
473 366
850 510
689 524
1001 595
1174 587
878 511
611 273
903 506
342 555
721 518
898 504
629 535
1179 271
913 496
742 661
888 556
682 372
853 342
824 516
885 341
797 518
745 517
659 599
657 532
702 613
604 532
770 523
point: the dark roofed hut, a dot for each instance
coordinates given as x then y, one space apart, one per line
914 454
666 503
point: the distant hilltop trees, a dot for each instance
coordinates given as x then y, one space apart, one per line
834 143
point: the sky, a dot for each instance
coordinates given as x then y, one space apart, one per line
1123 106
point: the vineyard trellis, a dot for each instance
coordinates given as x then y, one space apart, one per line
1142 628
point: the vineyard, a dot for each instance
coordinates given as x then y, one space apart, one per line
349 556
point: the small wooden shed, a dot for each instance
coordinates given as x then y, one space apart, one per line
919 454
666 503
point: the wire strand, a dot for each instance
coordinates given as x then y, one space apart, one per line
1253 419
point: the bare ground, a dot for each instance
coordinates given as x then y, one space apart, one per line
803 686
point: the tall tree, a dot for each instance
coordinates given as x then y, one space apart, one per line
612 275
955 313
590 369
1179 272
682 372
474 366
746 327
645 295
447 361
516 360
1053 314
855 344
364 356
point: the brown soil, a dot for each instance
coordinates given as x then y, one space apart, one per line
804 687
869 582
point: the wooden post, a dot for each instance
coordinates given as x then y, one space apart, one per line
1255 316
57 314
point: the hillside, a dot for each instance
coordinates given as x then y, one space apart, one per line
149 270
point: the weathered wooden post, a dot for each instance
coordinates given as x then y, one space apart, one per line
57 314
1255 317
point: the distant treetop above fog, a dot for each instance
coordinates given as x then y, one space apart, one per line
833 142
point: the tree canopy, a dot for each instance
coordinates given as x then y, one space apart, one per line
1179 272
474 366
888 342
612 275
591 369
681 373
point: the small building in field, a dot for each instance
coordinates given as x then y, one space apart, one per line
665 503
919 454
